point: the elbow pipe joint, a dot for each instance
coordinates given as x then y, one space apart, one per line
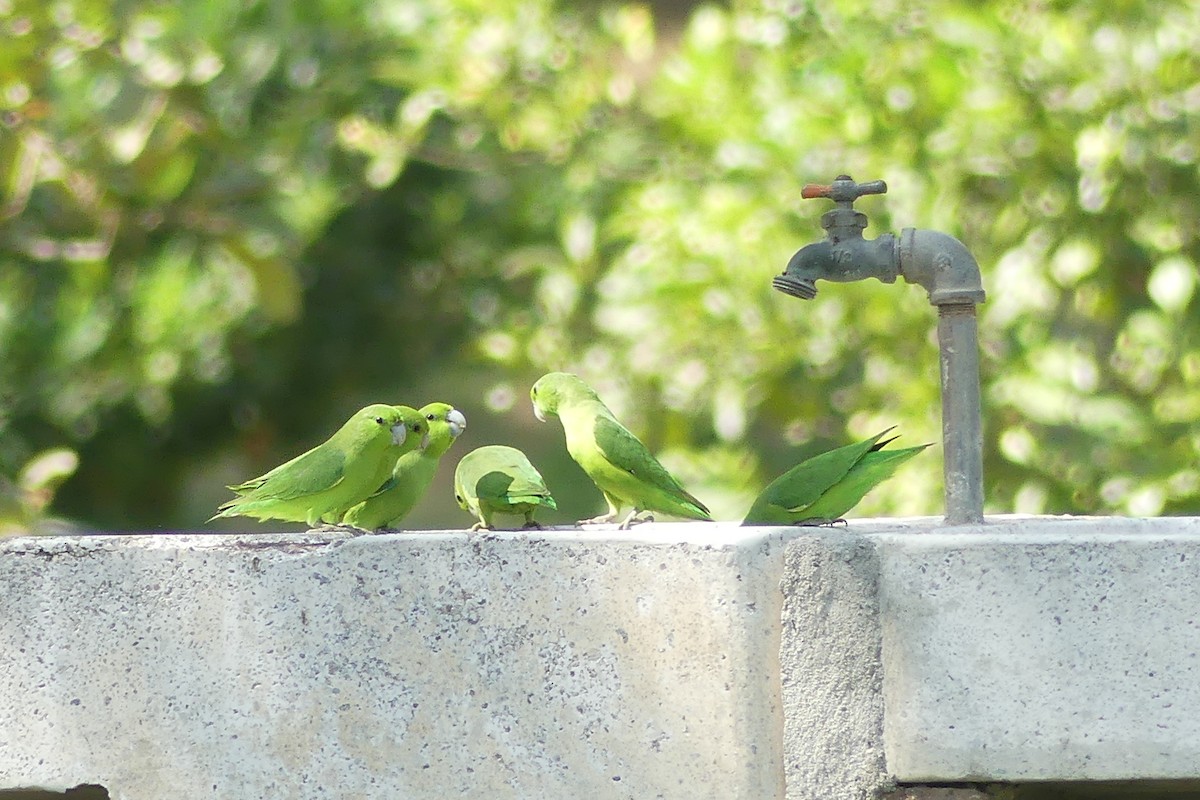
851 259
942 265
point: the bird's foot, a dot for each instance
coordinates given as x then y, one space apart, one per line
603 519
821 523
531 525
327 527
636 518
479 526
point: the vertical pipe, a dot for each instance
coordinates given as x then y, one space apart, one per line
962 431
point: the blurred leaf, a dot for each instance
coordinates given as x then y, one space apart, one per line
24 502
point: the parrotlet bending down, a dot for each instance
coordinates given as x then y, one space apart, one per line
498 479
412 474
616 460
323 483
819 490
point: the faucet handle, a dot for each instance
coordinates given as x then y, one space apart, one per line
843 189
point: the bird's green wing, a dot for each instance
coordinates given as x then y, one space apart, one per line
511 480
527 486
388 485
315 471
542 498
874 468
494 486
786 498
253 483
626 452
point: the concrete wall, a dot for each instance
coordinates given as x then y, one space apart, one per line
676 661
434 665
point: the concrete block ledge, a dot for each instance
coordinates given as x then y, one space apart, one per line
1036 651
556 664
674 661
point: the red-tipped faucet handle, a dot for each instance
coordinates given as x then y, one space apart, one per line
843 189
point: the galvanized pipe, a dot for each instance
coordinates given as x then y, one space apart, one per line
948 272
962 430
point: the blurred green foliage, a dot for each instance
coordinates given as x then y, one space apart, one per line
226 225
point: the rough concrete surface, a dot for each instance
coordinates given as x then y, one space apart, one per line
1034 649
559 665
831 670
937 793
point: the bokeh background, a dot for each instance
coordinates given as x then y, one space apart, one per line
226 225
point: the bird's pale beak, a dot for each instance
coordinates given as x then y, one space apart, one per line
458 422
399 433
537 412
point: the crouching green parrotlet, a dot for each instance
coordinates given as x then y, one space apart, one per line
498 479
616 460
819 490
321 484
412 474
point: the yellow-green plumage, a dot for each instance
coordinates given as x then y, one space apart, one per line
412 474
620 465
500 480
823 488
321 484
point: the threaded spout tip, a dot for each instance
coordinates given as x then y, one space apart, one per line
803 288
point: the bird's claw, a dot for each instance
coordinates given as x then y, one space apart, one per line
636 518
328 527
532 525
821 523
603 519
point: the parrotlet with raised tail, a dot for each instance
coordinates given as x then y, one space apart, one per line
821 489
500 480
412 474
323 483
616 460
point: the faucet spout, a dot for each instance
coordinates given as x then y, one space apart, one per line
841 261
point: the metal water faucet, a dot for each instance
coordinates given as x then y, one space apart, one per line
949 273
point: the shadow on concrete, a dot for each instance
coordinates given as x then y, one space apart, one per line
86 791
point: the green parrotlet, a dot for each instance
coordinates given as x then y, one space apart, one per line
499 480
412 474
821 489
616 460
323 483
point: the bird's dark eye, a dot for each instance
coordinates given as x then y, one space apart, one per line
417 427
429 417
379 420
458 497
